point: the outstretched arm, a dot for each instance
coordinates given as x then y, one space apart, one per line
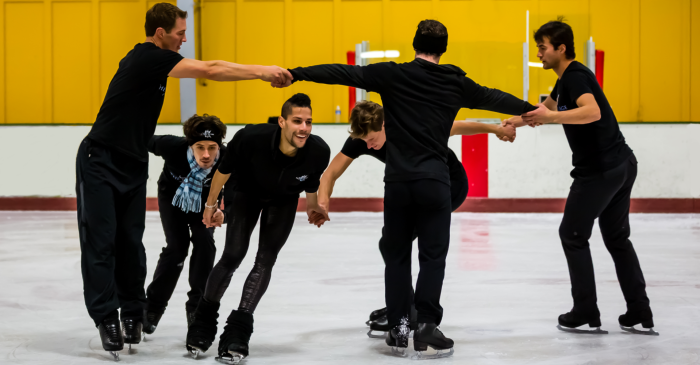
363 77
466 128
588 111
484 98
217 183
228 71
336 169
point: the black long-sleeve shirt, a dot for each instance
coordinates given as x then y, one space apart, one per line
421 100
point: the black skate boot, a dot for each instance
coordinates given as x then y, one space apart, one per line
633 318
569 322
233 343
428 335
151 317
132 328
376 315
379 327
190 318
202 332
397 338
111 336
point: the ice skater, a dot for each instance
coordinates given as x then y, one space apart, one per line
368 137
183 186
604 172
421 100
265 168
112 169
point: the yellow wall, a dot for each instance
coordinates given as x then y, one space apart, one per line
57 58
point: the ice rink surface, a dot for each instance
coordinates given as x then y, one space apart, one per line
505 285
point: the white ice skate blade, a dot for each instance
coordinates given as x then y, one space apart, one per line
399 351
596 331
232 358
379 334
115 354
432 354
647 331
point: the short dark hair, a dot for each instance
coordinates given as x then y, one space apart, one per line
365 117
162 15
432 28
299 100
558 33
190 126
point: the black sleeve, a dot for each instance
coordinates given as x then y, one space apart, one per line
164 145
555 91
161 61
576 85
233 153
354 148
324 157
484 98
363 77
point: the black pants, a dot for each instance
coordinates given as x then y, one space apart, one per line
111 190
607 197
180 228
276 221
423 206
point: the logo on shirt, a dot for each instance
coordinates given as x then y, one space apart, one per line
561 108
303 177
162 88
207 134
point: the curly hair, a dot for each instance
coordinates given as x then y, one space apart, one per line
366 117
191 126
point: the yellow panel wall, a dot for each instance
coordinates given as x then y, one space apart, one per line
24 63
71 63
63 74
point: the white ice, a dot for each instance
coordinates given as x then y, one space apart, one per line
505 285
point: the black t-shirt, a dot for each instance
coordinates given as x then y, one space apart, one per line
355 148
598 146
173 150
130 111
421 100
257 165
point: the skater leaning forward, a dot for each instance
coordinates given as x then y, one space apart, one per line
604 172
112 169
421 100
190 164
368 137
265 169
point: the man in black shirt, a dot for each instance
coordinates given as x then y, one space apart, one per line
421 100
190 164
112 168
265 168
604 172
368 137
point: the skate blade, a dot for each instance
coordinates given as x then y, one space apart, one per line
232 358
647 332
115 354
370 334
399 351
433 354
596 331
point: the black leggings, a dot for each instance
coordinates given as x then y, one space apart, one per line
276 221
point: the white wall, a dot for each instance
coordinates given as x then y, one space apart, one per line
537 165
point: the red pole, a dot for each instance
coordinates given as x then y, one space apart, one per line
599 66
352 97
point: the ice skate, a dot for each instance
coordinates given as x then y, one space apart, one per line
397 338
190 318
132 329
430 343
376 315
569 322
378 328
631 319
151 317
233 343
202 332
111 336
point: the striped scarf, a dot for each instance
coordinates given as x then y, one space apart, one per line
189 195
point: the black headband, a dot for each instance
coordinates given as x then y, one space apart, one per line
429 44
206 132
